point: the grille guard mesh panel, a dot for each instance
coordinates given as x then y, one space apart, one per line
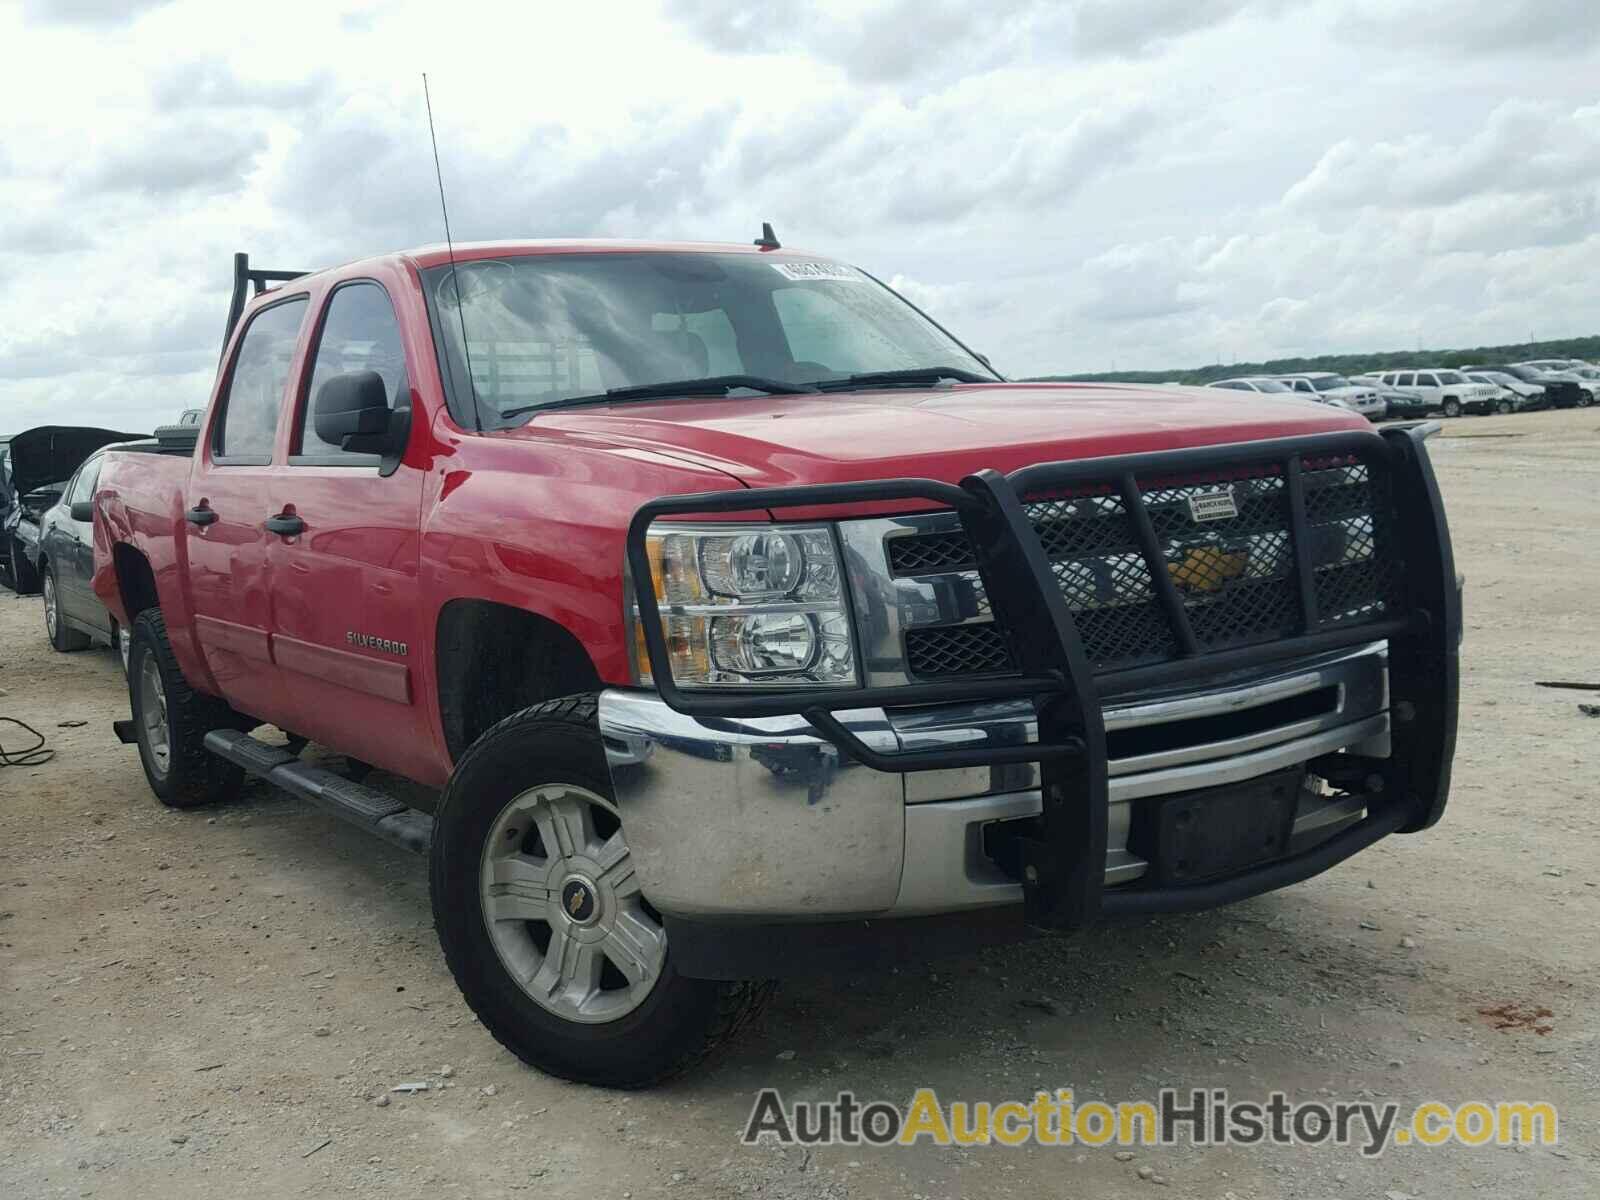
1236 574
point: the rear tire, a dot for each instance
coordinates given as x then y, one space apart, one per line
528 816
62 636
1452 407
171 720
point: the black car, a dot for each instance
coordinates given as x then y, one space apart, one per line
39 463
1560 393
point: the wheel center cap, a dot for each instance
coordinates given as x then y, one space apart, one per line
578 901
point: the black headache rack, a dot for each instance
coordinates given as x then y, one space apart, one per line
1063 864
246 278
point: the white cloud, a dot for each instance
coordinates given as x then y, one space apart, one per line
1523 148
1461 27
1063 183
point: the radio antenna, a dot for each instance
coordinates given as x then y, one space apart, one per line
450 250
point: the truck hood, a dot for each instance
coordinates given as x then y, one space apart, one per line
50 453
942 433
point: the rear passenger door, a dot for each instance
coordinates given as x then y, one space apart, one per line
229 498
347 624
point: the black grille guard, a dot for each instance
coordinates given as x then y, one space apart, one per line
1063 870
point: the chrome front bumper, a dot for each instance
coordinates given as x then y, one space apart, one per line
760 818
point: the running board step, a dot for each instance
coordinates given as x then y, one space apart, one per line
372 810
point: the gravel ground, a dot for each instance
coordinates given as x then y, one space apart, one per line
192 1002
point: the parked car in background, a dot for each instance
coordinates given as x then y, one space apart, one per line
1515 395
1562 389
1556 364
1268 387
1450 392
1396 402
39 462
1326 386
62 557
1262 385
1563 368
1588 378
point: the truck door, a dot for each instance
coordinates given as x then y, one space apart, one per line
347 625
228 501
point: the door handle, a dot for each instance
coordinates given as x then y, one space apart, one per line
286 524
200 516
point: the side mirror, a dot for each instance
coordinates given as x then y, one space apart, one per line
82 510
352 412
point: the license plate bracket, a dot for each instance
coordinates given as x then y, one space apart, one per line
1197 836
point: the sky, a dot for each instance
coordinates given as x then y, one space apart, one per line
1069 186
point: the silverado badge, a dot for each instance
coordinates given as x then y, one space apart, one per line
1213 506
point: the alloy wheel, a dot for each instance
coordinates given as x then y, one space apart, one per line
51 616
153 714
563 907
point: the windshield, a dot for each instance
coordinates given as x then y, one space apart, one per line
1326 383
1448 377
1270 385
541 329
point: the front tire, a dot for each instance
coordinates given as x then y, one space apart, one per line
1505 408
542 921
1452 407
63 637
171 720
1585 399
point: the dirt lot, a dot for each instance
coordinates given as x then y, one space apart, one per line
193 1002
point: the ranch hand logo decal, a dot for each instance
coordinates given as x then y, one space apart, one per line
1213 506
369 642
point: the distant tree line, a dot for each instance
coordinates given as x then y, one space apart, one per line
1587 348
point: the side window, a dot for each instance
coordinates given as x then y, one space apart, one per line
359 333
83 485
1426 380
1302 385
255 390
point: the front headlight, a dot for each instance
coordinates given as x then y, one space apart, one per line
749 606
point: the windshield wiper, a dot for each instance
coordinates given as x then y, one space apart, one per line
904 375
711 385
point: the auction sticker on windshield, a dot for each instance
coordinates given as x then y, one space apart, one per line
816 270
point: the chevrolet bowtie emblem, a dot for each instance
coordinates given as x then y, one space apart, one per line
1207 568
575 903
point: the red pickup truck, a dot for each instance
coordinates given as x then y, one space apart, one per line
747 623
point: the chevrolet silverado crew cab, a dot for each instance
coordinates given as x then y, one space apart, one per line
746 622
